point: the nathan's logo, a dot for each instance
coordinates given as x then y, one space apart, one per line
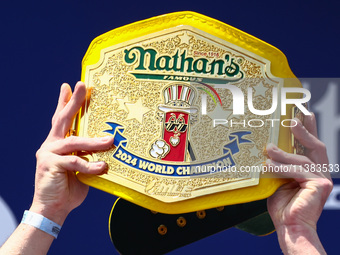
149 63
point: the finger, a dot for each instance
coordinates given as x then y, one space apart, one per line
76 100
296 172
310 124
74 143
74 163
300 132
314 148
279 155
64 98
64 118
310 181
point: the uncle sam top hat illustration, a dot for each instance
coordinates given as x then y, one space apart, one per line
178 97
178 111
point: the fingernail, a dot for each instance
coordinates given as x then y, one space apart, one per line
64 85
106 168
271 147
298 122
79 83
76 87
99 164
106 138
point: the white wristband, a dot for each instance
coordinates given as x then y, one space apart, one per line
40 222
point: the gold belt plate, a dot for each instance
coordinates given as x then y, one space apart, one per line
163 88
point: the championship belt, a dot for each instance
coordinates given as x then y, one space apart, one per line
192 104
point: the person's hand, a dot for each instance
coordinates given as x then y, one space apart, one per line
57 189
296 206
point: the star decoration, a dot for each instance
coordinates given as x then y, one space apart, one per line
219 113
254 152
185 38
105 78
260 90
121 104
136 110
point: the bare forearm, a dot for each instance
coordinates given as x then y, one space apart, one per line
30 238
27 240
299 240
57 189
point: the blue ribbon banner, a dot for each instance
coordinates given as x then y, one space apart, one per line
169 169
